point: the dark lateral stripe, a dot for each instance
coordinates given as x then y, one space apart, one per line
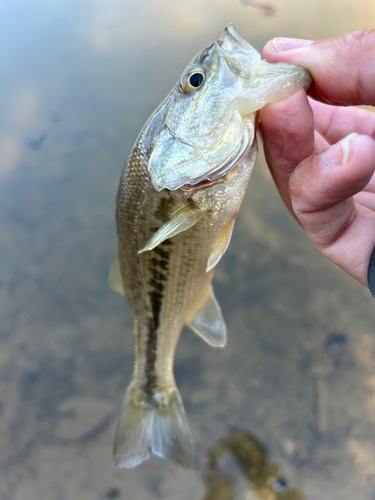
158 267
158 270
153 325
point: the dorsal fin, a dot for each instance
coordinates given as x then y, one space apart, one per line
181 220
209 323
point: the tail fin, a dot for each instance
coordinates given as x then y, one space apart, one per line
159 427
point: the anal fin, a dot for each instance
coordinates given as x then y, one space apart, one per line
220 246
181 220
209 323
115 279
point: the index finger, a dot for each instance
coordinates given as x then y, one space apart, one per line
342 68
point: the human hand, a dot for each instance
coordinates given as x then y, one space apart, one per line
325 175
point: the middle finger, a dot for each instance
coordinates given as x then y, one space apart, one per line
336 122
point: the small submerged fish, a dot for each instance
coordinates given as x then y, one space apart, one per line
177 201
266 8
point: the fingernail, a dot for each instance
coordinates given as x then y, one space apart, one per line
284 44
345 146
338 153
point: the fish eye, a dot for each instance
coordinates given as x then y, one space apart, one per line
193 80
196 80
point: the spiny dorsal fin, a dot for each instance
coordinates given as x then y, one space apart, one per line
181 220
115 278
220 246
209 323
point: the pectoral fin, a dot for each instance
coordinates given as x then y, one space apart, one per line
220 246
181 220
209 323
115 278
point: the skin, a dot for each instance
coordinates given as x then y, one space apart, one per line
330 194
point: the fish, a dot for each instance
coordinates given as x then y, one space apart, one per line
266 8
178 197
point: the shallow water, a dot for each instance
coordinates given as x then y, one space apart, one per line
78 80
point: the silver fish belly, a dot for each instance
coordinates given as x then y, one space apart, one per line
177 201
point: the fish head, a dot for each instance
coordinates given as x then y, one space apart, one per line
207 124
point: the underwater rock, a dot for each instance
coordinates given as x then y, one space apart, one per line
113 493
55 116
336 343
34 141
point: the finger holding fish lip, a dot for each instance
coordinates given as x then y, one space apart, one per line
324 169
342 67
342 71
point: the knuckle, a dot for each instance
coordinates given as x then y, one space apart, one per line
355 49
357 39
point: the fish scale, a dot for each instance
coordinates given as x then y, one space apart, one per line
175 214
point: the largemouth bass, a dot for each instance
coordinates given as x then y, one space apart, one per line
177 201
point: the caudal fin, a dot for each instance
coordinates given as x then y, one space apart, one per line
158 427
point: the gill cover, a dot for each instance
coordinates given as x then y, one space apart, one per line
201 133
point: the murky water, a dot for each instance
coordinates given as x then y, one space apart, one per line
78 80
